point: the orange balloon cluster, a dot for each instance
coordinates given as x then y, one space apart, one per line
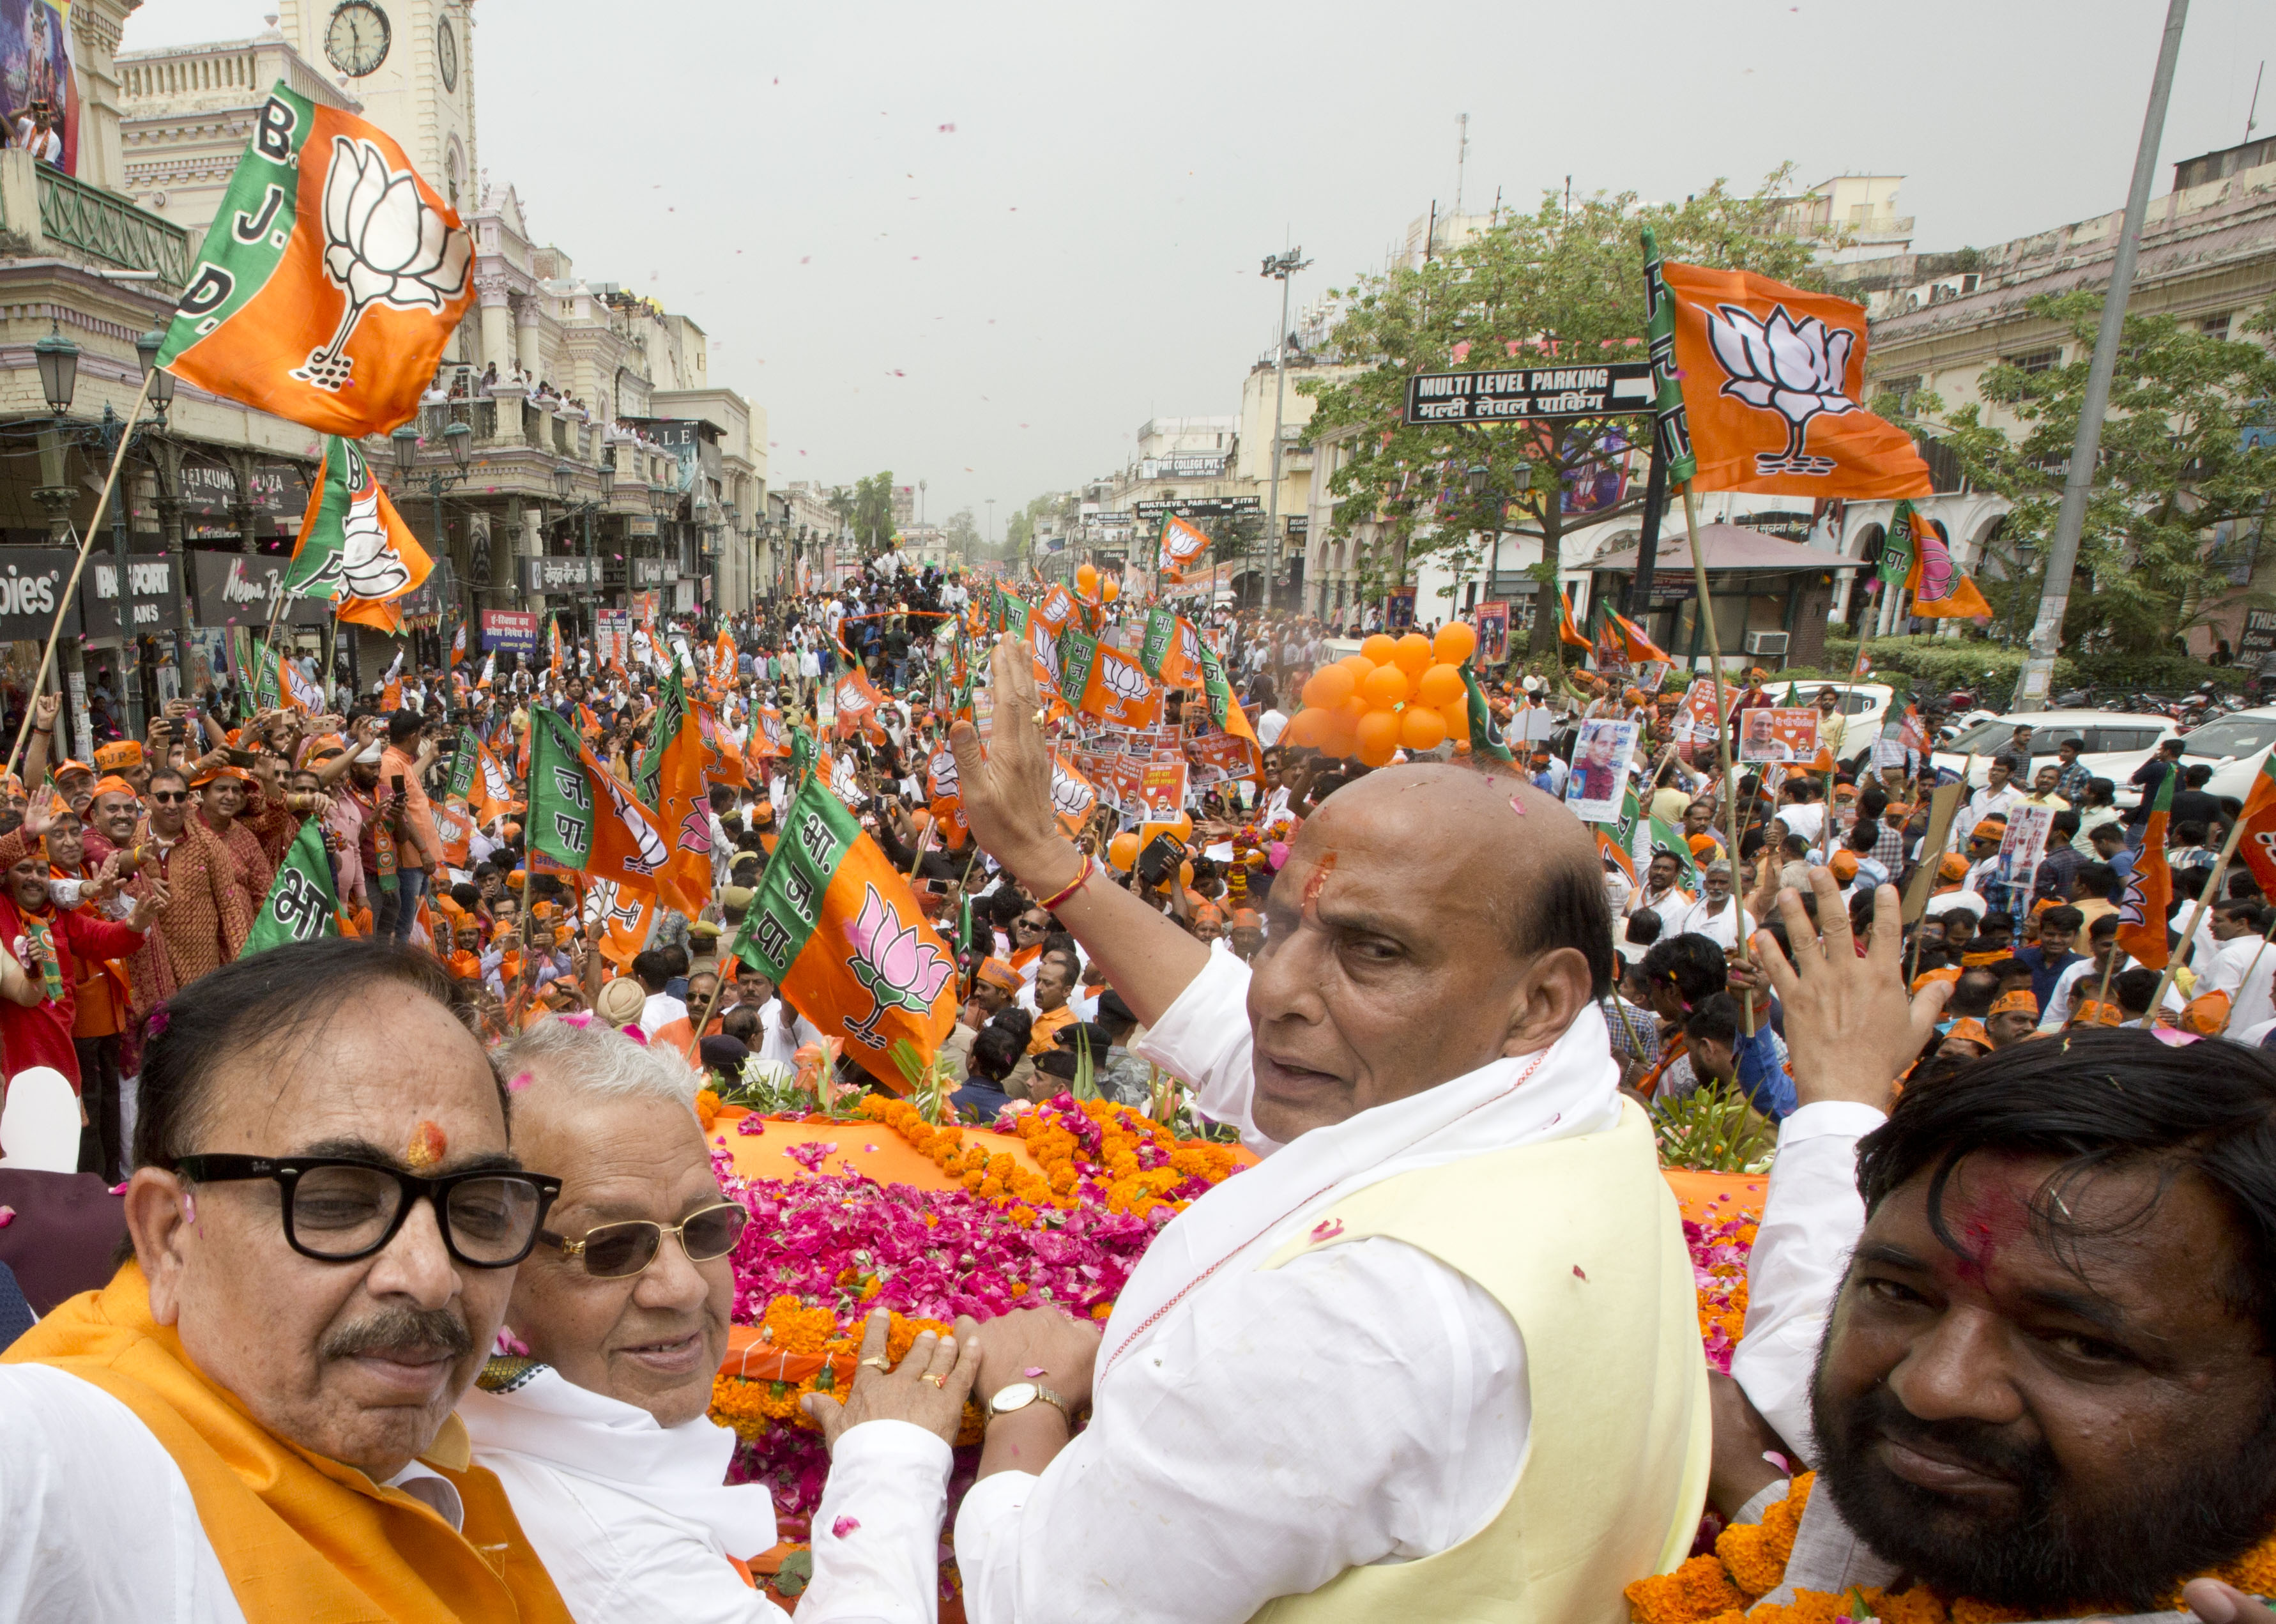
1395 693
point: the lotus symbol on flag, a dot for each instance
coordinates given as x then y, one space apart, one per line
382 245
652 854
1793 371
899 968
1071 797
1124 682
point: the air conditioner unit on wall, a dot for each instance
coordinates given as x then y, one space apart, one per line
1772 644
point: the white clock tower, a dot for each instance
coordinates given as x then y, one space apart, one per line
411 64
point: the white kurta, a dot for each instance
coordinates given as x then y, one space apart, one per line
1811 1218
1211 1479
100 1525
635 1521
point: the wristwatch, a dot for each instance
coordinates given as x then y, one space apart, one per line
1018 1395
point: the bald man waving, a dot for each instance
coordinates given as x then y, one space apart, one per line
1437 1354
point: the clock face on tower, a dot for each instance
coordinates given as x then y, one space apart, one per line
357 37
446 54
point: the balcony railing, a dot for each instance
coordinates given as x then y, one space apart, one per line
111 229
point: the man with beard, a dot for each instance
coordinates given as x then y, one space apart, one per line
253 1419
205 919
2044 1381
601 1435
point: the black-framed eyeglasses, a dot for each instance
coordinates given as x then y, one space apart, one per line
616 1251
336 1209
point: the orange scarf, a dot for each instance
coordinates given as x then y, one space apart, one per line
300 1538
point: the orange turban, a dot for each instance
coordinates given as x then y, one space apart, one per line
2207 1014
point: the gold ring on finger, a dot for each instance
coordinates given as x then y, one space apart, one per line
878 1361
935 1378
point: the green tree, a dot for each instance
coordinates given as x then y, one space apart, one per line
961 533
2179 497
840 502
1020 530
1557 285
873 513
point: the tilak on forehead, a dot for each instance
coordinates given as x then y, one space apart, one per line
429 1145
1317 881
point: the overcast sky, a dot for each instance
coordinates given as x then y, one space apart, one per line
981 244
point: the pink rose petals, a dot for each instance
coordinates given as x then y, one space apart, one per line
844 1526
518 1083
810 1155
1326 1229
7 1217
752 1127
1032 1371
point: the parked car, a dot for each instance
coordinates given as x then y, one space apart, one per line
2113 745
2234 746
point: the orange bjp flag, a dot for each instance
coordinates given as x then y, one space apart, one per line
836 928
683 813
1939 588
1773 380
2150 887
331 280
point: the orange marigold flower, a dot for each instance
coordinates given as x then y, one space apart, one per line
1967 1610
1746 1552
1696 1591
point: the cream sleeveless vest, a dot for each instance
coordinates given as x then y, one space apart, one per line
1579 1240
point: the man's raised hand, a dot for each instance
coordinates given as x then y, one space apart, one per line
1849 1026
1006 788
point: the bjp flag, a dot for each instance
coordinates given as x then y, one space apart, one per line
1181 545
1172 649
2258 844
1939 588
857 701
834 927
353 547
944 791
582 818
1108 684
331 279
2150 887
1773 380
723 763
683 812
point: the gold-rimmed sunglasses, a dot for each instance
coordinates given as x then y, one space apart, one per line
616 1251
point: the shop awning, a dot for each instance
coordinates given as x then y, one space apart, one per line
1729 549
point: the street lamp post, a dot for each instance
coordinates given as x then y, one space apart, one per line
438 478
1281 266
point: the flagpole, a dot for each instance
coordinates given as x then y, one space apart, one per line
70 589
2196 916
696 1038
331 643
1722 733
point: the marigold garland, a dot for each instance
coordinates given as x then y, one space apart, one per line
1749 1561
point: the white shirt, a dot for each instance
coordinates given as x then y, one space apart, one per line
1721 929
2058 1002
1203 1461
776 1048
661 1010
1811 1218
2244 968
1985 802
1806 819
1270 722
635 1521
78 1467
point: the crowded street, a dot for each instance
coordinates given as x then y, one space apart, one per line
1607 958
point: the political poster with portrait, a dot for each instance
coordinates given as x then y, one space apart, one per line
1651 676
1162 789
1600 763
1492 621
1779 734
2024 844
36 70
1698 718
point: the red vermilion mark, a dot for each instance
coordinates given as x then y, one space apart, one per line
1988 1224
429 1145
1317 881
